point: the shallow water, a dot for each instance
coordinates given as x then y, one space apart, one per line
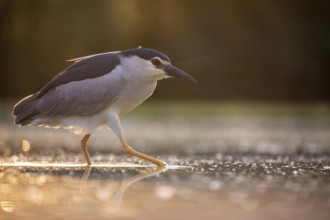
220 186
244 167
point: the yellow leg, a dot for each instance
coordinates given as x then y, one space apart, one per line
128 149
83 147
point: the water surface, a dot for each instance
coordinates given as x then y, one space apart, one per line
221 167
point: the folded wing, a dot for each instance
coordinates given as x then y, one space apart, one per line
83 88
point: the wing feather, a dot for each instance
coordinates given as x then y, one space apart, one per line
84 68
80 98
80 89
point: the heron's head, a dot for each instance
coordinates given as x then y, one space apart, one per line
153 64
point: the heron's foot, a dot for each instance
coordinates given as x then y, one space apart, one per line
153 160
156 161
128 149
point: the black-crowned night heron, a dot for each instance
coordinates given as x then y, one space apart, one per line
95 90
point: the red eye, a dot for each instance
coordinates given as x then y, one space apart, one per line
156 62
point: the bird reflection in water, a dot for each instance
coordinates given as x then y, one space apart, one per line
25 187
124 185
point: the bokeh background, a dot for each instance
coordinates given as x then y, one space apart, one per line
255 131
238 50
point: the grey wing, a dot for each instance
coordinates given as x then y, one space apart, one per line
81 97
84 68
58 98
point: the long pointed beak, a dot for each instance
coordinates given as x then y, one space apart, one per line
176 72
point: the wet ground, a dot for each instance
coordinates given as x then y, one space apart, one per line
222 166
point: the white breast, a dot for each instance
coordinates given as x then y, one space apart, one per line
141 81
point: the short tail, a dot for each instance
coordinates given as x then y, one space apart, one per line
24 110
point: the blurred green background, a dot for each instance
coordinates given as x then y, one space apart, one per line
238 50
